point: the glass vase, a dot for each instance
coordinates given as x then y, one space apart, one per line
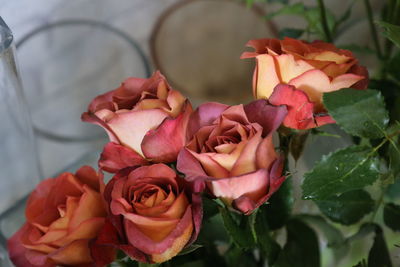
18 160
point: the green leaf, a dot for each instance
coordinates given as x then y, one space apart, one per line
348 208
391 93
362 263
358 49
344 170
297 143
295 9
290 32
313 17
334 237
358 112
189 249
390 31
391 216
240 229
269 247
142 264
279 207
237 257
379 255
301 248
365 229
393 66
210 208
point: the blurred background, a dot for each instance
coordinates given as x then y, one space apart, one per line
69 52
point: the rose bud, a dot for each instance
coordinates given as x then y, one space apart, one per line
311 69
231 153
145 120
62 214
154 214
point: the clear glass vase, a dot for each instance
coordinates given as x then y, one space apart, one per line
18 160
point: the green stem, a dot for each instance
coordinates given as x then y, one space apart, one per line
373 29
324 20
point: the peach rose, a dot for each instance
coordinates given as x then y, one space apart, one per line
311 69
231 153
154 215
63 215
145 120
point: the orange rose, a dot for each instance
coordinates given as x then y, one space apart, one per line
311 69
63 214
153 214
145 119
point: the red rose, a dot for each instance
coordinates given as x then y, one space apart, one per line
63 214
145 120
231 153
153 214
311 69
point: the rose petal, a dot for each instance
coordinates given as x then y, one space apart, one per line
17 252
268 116
300 109
204 115
89 176
90 205
116 157
132 126
211 166
247 161
148 246
192 169
77 252
265 76
315 83
253 185
164 143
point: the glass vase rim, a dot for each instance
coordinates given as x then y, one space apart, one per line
6 37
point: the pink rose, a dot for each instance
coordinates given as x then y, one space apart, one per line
309 70
231 153
145 120
154 215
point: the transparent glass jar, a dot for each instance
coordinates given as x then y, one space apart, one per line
18 159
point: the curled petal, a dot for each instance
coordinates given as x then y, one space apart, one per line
132 126
204 115
164 143
268 116
300 109
116 157
254 185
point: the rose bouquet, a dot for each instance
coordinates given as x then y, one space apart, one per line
212 185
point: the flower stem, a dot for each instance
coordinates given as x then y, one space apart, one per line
324 20
373 29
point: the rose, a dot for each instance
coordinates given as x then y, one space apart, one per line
154 215
63 214
231 153
145 120
311 69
